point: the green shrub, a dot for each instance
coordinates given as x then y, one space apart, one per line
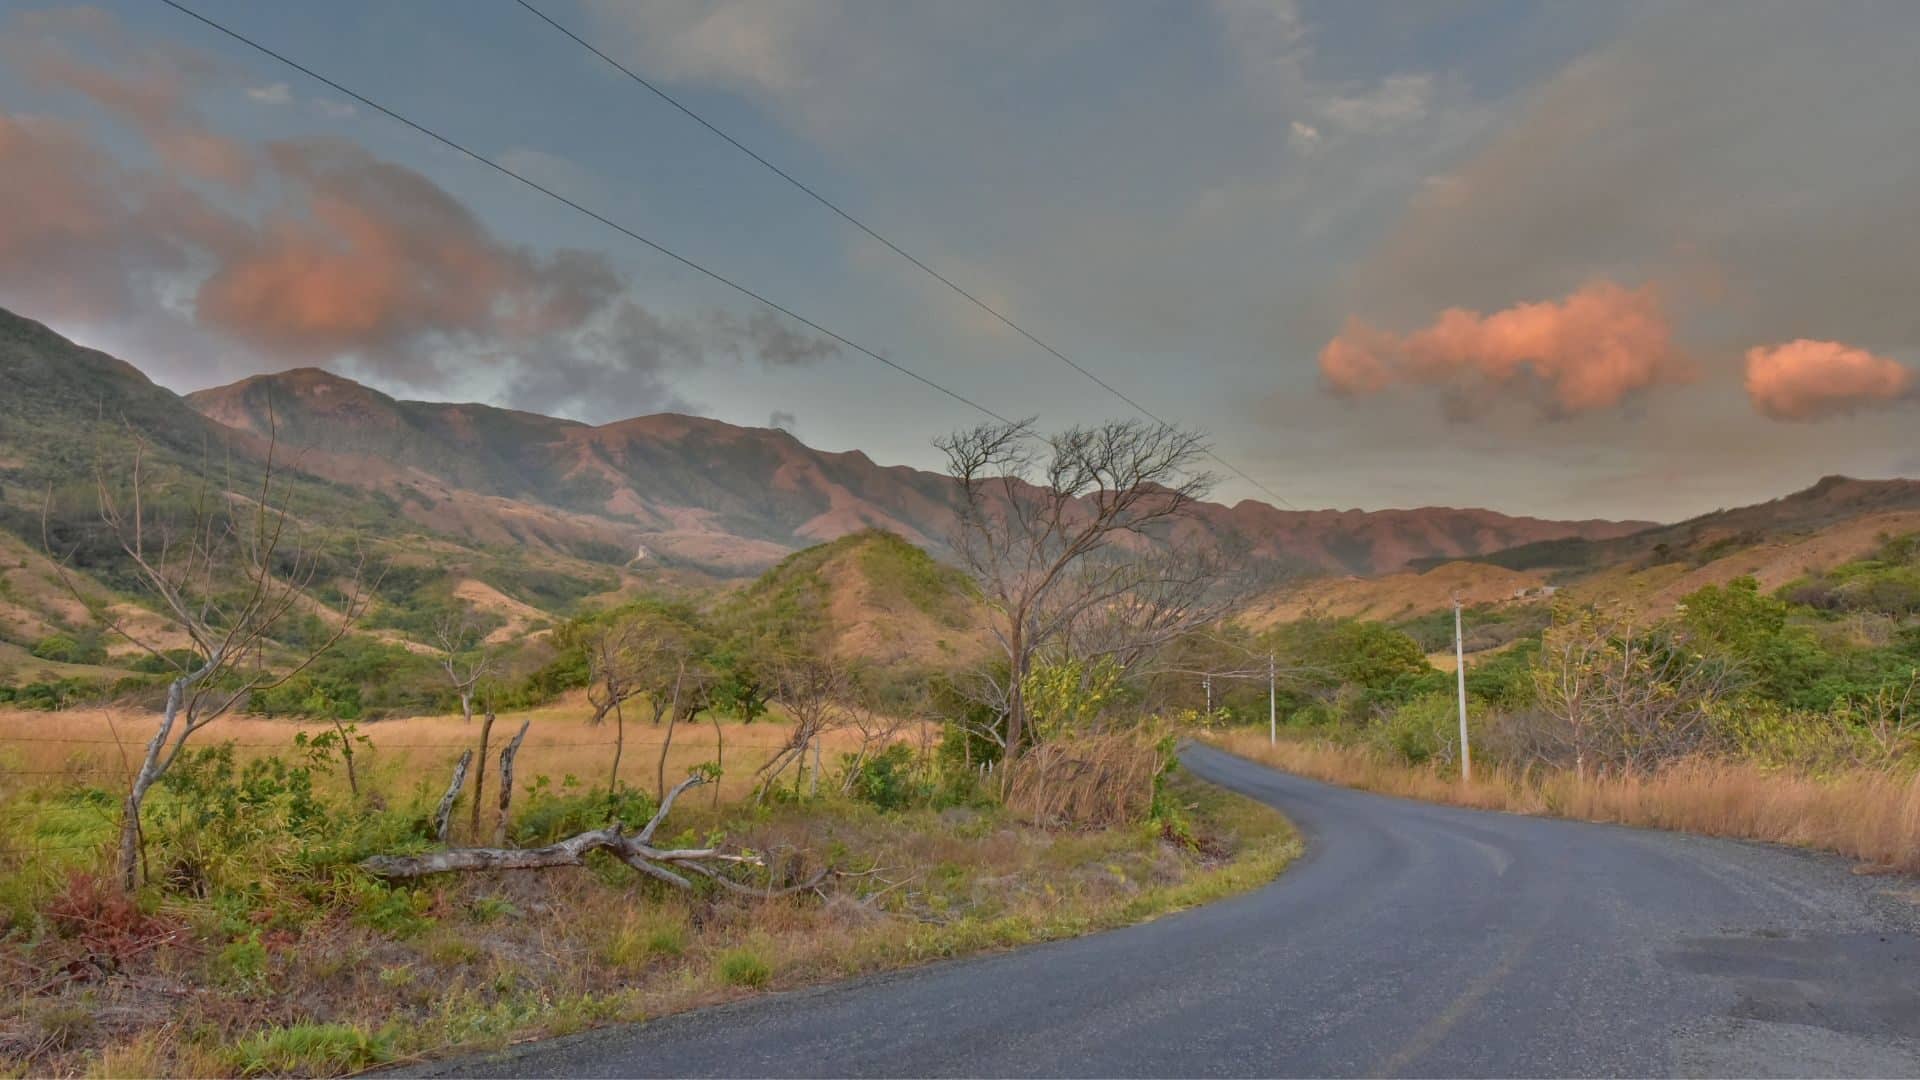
890 780
551 811
63 649
242 963
744 966
397 912
1426 729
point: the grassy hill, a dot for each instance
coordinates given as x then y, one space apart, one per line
873 597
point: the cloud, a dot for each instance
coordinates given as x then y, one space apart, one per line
1771 148
145 87
1587 352
1399 100
272 94
332 256
1303 137
769 339
78 234
1812 380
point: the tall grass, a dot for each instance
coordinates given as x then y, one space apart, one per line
1097 780
102 746
1864 813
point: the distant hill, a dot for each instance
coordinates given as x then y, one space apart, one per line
1710 536
1833 522
672 490
872 596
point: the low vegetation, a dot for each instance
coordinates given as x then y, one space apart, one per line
1791 716
1871 815
260 945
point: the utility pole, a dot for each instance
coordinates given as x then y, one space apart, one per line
1460 679
1273 714
1208 680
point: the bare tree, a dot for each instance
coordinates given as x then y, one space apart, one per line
227 578
877 726
463 655
1055 529
467 660
616 663
814 689
1621 695
1158 598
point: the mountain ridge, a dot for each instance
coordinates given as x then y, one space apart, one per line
684 490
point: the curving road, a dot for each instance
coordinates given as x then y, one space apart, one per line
1411 939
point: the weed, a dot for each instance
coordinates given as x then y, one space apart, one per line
396 912
744 966
642 938
64 1026
396 978
242 963
322 1049
488 908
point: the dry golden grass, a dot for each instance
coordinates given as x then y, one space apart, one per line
103 745
1868 814
1096 780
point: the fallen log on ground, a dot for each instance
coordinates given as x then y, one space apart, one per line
670 865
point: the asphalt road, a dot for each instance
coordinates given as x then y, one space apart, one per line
1410 940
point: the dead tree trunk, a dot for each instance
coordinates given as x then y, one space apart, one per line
150 770
480 773
719 754
619 746
673 718
346 754
442 817
506 784
670 865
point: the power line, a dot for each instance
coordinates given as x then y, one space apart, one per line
595 215
895 248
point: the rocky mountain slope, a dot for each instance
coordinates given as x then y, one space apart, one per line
679 490
735 499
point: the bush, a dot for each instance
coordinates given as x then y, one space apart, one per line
64 649
51 696
1424 730
551 813
889 780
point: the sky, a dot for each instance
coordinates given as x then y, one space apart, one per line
1594 260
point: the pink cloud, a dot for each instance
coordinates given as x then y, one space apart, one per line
145 86
1809 380
1588 351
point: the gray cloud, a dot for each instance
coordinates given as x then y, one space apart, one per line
338 256
1762 162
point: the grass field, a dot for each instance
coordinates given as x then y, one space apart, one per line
103 745
1870 814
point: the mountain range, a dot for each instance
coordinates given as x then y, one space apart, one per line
715 498
681 490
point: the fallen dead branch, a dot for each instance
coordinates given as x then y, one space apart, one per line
671 865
